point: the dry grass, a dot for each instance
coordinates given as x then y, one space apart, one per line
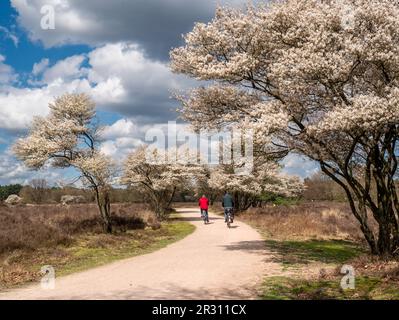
375 279
33 227
31 236
314 220
321 237
387 270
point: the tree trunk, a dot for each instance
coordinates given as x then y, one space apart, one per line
171 197
386 242
160 203
160 212
104 205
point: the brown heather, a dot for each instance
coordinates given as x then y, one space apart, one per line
28 228
319 220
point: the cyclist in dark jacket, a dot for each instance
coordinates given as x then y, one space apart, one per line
228 205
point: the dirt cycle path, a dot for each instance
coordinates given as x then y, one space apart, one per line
214 262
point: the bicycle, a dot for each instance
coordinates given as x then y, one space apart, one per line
204 216
229 216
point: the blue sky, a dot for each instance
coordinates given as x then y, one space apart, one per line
22 56
117 51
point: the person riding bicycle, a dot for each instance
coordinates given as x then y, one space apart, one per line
228 205
203 203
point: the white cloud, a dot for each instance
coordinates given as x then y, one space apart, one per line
144 85
118 77
13 172
119 148
299 165
11 169
125 135
7 74
20 105
109 93
155 25
121 128
39 67
120 138
65 70
9 35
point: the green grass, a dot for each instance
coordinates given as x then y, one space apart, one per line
292 252
366 288
279 200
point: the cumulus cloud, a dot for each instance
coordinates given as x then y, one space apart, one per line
118 76
144 85
125 135
20 105
299 166
65 70
39 67
155 25
7 74
125 72
120 138
121 128
13 172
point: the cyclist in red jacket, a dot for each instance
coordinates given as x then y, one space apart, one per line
203 203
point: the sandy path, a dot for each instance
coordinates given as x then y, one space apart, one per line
212 263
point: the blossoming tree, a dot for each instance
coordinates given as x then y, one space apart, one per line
159 174
319 78
266 177
68 137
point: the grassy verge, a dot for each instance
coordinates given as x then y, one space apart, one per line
312 256
302 252
366 288
90 251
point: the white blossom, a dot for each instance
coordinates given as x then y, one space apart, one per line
319 78
67 137
159 173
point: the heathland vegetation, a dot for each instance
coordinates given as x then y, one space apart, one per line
312 234
71 238
301 80
314 240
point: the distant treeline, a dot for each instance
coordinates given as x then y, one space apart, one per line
38 192
318 188
54 195
6 191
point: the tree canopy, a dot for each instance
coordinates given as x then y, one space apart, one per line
318 78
